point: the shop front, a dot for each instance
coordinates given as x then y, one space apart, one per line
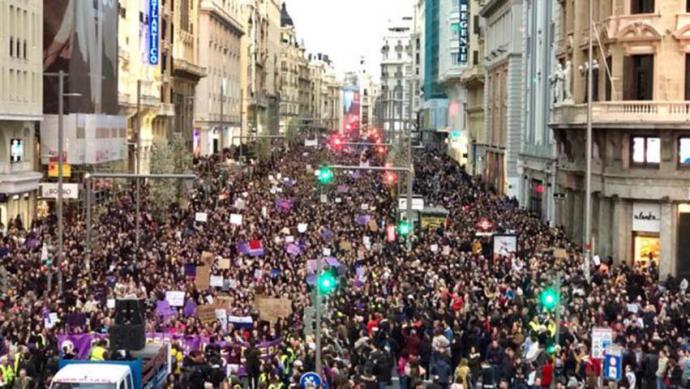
646 228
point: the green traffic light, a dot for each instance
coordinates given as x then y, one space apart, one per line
404 228
549 299
326 283
325 175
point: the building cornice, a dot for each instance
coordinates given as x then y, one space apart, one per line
18 117
212 7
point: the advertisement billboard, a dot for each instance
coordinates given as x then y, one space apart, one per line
464 32
351 110
80 38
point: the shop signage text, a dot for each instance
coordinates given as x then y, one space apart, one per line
152 52
646 217
463 33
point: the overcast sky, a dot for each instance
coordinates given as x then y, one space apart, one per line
346 29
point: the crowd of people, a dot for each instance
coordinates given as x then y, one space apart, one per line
441 312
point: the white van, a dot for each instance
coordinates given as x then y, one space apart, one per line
93 376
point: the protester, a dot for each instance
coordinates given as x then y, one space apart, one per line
445 310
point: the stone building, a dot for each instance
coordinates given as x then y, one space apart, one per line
217 107
503 93
641 132
292 61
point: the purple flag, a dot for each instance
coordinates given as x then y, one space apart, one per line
284 205
254 248
189 308
190 270
163 309
326 234
343 188
331 261
294 249
362 219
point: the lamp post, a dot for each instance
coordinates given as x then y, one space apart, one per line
61 155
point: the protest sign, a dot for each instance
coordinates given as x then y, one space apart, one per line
289 239
345 245
163 308
175 298
302 227
271 309
294 249
560 254
504 244
326 251
433 248
110 304
373 227
222 318
201 217
50 320
236 219
206 313
223 263
203 277
216 281
206 258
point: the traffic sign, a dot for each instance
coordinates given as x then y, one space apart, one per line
310 379
613 365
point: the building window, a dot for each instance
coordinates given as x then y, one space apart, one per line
641 6
638 74
646 151
607 83
684 151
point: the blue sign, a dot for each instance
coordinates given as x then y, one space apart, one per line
613 367
152 51
464 32
310 379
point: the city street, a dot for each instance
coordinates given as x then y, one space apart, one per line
318 194
389 313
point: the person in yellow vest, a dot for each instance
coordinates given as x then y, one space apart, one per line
98 352
6 373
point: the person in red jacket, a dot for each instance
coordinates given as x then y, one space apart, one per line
547 374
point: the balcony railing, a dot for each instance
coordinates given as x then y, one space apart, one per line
624 112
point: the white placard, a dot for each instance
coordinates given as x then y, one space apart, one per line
175 298
602 337
201 217
110 304
264 211
49 190
51 320
327 252
236 219
434 248
217 281
222 317
646 217
338 200
289 239
302 227
367 242
323 198
209 299
364 207
417 203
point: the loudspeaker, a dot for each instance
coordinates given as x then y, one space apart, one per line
129 331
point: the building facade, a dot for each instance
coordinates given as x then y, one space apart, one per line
434 110
503 95
398 76
324 107
641 138
187 69
292 61
537 163
218 99
21 107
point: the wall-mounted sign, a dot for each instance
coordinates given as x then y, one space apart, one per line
646 217
152 51
50 190
464 33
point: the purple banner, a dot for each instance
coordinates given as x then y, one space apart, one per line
284 205
362 219
294 249
163 309
189 308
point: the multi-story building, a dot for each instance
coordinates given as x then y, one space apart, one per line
187 69
504 88
537 163
21 109
145 64
80 38
434 110
262 48
472 80
218 100
458 51
641 134
324 108
368 91
397 76
292 60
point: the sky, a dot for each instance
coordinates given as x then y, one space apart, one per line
346 30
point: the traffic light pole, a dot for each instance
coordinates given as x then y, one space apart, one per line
410 177
317 304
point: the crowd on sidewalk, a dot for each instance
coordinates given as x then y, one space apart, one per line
444 312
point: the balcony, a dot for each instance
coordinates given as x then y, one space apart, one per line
633 28
622 114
